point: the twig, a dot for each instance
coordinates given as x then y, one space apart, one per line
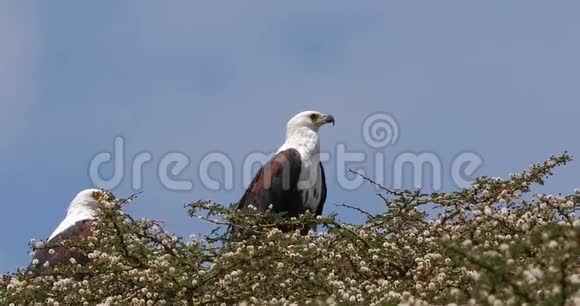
366 178
356 208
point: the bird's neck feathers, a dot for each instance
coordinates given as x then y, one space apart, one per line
304 139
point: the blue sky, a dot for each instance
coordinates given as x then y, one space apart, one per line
499 78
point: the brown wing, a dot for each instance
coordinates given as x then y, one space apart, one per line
276 184
323 192
60 255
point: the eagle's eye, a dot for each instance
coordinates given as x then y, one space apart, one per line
314 116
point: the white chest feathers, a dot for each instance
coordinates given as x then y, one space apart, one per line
310 185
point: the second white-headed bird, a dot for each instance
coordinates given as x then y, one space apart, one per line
77 225
293 181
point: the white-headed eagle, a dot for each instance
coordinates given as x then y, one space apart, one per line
77 225
293 181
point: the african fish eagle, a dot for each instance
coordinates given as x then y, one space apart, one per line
77 225
293 181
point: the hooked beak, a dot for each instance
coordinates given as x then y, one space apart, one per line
329 119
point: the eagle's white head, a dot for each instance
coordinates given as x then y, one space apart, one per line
84 207
311 120
89 200
302 132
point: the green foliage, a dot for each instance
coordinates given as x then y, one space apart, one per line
490 244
